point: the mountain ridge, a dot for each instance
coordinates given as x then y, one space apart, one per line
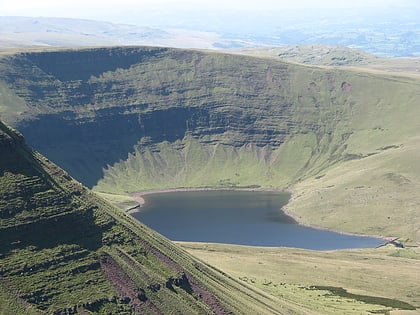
43 32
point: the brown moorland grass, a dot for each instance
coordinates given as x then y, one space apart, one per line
288 272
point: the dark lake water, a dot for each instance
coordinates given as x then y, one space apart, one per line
238 217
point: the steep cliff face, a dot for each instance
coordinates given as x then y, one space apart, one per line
88 109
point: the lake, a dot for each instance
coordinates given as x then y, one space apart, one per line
238 217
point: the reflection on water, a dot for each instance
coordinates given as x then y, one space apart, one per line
238 217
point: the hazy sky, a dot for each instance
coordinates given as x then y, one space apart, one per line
112 9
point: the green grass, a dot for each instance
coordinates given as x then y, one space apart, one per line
374 195
389 303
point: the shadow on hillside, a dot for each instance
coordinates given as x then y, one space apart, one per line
84 147
74 228
82 64
11 162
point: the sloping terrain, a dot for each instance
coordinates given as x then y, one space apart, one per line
315 55
65 251
364 281
323 55
127 119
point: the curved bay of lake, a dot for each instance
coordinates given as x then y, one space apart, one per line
250 218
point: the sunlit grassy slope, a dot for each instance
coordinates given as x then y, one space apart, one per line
321 55
66 251
120 120
339 282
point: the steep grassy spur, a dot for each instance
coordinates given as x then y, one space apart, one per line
65 251
346 141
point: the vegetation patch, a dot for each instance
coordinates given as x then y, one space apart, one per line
319 300
392 303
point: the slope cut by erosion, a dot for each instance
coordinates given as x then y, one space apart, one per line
136 118
65 251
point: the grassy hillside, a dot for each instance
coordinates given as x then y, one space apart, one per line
315 55
137 118
322 55
65 251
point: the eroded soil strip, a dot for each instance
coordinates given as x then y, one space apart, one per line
197 288
125 286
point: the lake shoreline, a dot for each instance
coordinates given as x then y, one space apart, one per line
138 197
386 239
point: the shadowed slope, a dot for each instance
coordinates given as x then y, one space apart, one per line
155 97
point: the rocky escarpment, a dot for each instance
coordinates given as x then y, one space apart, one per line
88 109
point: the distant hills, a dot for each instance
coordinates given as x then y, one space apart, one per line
389 34
61 32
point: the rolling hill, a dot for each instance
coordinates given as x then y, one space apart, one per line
19 32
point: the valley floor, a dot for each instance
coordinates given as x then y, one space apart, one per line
334 282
